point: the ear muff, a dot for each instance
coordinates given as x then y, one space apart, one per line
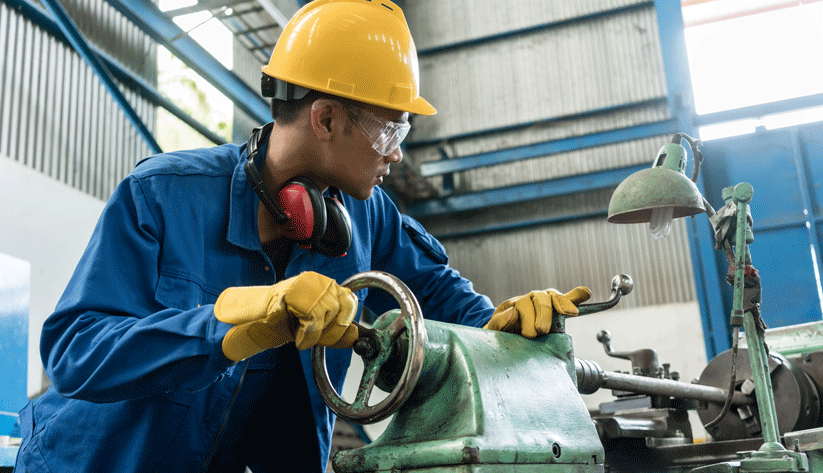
337 238
303 213
303 204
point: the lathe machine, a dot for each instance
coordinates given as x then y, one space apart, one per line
472 400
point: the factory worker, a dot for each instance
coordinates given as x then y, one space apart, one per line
180 343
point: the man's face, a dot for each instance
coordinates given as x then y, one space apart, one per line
356 166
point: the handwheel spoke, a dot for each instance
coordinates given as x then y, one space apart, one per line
396 328
370 371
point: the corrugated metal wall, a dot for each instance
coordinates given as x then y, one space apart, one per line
55 115
571 71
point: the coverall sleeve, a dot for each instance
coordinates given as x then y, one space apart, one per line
109 339
404 248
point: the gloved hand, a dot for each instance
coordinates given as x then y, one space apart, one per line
531 315
306 309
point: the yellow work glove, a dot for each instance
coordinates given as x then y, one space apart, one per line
307 309
531 315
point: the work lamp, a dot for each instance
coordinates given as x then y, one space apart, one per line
661 193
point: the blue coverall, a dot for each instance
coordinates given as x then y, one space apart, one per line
133 350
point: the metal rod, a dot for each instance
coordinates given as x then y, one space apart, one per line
758 359
667 387
590 378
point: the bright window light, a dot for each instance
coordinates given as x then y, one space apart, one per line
798 117
723 130
754 52
187 89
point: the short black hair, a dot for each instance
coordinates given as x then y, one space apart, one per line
285 112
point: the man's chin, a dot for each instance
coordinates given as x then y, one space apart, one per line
360 194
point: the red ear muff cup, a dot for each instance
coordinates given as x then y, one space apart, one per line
304 206
337 239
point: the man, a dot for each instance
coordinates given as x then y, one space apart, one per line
180 342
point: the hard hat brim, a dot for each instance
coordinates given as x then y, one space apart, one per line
420 106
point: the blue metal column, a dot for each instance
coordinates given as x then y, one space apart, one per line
76 39
701 241
806 197
15 299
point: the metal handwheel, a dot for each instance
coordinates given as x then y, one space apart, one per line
375 347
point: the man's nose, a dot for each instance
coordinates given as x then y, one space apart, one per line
396 156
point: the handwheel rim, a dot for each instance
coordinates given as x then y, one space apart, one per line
412 319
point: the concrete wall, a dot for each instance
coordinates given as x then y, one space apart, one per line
48 224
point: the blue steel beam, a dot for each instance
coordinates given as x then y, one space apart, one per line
532 29
151 20
653 102
463 163
523 224
43 19
79 43
523 192
757 111
546 148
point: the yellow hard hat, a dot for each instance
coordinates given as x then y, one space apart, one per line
358 49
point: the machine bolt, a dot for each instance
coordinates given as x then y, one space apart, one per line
365 347
747 387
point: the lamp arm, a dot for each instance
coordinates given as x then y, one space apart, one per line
694 144
709 209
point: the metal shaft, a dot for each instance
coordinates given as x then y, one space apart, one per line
591 377
758 358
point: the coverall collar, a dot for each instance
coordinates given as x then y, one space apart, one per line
242 229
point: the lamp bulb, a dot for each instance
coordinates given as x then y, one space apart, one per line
661 223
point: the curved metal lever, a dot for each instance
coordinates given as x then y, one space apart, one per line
622 284
644 361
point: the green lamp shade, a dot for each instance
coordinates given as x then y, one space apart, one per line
639 194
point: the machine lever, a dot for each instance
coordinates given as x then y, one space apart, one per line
622 284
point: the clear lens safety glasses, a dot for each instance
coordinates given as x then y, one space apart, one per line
385 135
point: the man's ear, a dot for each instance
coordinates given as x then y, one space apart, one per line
322 117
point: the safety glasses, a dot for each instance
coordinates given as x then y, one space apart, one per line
385 135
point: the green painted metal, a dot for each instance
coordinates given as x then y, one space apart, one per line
675 157
772 457
663 185
798 339
758 358
487 402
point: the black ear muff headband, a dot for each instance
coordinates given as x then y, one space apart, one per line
253 173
